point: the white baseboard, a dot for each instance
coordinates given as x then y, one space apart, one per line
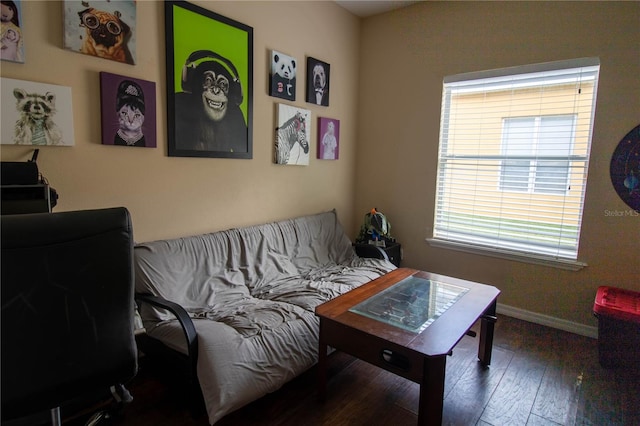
549 321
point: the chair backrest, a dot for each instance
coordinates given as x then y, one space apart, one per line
67 307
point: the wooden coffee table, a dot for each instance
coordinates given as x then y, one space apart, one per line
406 322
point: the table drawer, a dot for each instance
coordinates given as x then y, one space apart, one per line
392 357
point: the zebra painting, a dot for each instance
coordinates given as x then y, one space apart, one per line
292 136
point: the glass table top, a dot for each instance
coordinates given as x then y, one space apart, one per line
412 304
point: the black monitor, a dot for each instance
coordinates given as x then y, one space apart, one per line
21 199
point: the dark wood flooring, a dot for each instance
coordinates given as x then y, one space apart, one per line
538 376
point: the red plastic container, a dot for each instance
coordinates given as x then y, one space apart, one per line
618 313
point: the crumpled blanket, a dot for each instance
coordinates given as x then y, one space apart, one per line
252 294
251 316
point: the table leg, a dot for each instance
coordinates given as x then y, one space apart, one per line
322 365
432 391
485 345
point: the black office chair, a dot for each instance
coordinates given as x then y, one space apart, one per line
67 308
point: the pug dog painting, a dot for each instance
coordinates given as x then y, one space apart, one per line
101 28
317 82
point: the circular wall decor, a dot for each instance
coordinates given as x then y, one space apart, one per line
625 169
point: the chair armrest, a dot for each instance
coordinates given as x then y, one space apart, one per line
185 321
369 250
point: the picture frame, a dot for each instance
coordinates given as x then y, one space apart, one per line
128 111
318 78
209 65
282 79
40 114
11 32
328 138
293 136
104 29
624 161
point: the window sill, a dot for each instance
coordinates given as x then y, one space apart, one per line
571 265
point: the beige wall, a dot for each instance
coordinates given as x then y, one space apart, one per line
386 89
170 196
405 55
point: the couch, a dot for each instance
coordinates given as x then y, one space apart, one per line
239 304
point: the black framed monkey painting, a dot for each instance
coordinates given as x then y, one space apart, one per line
209 83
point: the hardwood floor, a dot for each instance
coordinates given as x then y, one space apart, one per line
538 376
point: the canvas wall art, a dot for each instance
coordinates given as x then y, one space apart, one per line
128 111
36 113
282 82
11 34
318 82
106 29
209 83
625 169
328 138
292 135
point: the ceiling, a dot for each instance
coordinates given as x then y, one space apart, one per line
366 8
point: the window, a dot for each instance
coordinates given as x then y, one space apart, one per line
513 159
535 151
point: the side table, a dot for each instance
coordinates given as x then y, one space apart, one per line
393 250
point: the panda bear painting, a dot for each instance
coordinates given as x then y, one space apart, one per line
283 76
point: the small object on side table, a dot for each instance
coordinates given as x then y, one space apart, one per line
391 248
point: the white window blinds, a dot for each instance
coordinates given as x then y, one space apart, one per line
513 158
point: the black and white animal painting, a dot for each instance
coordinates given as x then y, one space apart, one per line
35 125
317 82
35 113
283 76
292 136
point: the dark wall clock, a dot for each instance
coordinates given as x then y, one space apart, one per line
625 169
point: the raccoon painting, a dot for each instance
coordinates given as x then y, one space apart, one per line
35 125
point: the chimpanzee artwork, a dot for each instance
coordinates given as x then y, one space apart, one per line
209 83
208 115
